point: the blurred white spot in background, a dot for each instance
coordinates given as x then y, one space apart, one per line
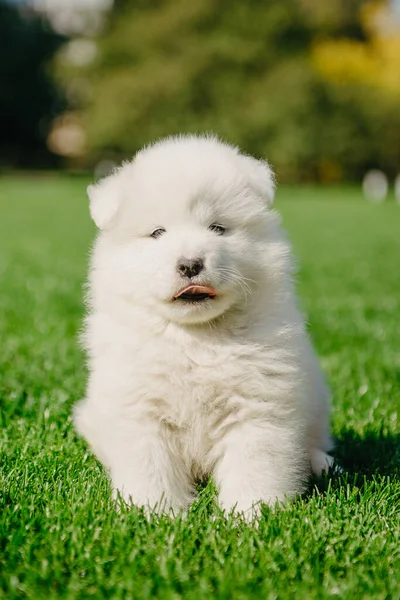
103 168
80 52
397 188
74 17
375 186
67 136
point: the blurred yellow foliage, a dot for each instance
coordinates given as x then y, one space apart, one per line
375 62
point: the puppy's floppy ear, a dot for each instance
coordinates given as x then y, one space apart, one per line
261 178
104 200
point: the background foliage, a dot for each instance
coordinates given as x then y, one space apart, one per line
264 75
29 98
314 87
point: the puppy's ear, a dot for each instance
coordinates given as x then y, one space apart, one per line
104 201
261 178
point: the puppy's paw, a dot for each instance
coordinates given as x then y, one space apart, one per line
150 508
323 462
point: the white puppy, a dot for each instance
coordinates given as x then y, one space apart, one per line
199 360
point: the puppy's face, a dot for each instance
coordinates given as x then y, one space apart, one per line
184 229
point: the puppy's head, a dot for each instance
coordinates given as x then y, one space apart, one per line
184 229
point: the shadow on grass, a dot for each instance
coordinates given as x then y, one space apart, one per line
375 454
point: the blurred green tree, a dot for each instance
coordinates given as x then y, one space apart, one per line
244 70
29 98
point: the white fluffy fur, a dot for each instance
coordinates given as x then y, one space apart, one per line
229 387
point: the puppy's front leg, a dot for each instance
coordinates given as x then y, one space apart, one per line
146 473
142 465
258 462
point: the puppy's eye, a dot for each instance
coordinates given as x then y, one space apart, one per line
157 232
219 229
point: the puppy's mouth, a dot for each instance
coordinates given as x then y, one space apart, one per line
195 293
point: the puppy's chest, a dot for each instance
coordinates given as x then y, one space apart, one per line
182 384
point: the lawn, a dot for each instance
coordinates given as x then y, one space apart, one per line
60 535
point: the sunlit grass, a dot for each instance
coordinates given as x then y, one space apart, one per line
60 535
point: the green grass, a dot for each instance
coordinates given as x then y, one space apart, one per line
61 537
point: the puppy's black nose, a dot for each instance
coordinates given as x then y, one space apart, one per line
190 267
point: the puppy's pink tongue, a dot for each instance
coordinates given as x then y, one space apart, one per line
197 289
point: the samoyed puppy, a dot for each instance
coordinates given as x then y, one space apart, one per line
200 363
